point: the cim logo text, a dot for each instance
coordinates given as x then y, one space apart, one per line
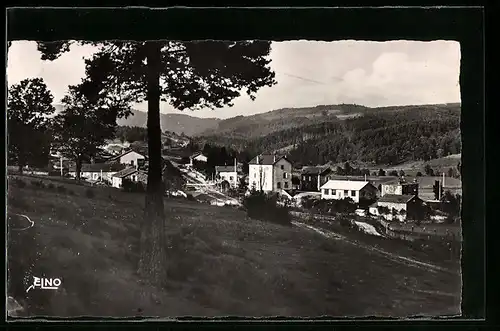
45 283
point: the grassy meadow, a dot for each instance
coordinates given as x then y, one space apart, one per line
220 263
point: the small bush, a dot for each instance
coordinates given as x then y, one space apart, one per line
129 186
265 208
345 222
89 193
190 197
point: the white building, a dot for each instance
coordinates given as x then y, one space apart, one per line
340 189
199 157
270 173
227 173
131 158
97 171
130 173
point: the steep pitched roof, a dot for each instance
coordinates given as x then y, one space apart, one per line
125 172
354 185
314 170
267 159
127 152
224 169
395 198
97 167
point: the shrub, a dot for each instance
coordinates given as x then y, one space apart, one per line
89 193
130 186
190 197
265 208
345 222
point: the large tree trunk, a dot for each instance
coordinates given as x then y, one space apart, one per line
153 257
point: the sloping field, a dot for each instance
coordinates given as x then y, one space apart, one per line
221 263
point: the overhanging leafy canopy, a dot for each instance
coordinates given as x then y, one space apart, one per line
193 75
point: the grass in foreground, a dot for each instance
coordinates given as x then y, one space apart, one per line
221 263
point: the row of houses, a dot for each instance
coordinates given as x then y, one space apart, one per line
274 173
130 165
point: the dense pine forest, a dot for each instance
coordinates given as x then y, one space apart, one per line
383 136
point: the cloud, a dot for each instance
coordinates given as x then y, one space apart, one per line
308 73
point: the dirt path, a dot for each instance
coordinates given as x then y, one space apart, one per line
390 256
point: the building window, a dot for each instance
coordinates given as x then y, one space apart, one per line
325 191
254 175
134 178
286 184
310 178
284 175
303 177
353 193
131 162
278 184
346 192
231 178
334 192
282 167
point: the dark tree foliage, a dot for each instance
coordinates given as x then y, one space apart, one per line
349 170
187 75
428 170
379 138
28 104
393 173
131 133
451 204
84 125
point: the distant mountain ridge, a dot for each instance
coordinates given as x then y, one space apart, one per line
252 126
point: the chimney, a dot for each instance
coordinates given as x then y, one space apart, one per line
443 179
235 166
257 159
274 158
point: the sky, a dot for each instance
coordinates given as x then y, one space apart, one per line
309 73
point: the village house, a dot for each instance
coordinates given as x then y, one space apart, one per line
312 178
131 158
227 173
401 187
407 206
132 174
198 157
356 190
96 171
270 173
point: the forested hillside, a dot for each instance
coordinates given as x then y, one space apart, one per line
386 136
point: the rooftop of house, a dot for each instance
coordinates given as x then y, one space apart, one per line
224 169
354 185
145 154
125 172
314 170
395 198
402 181
97 167
266 159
